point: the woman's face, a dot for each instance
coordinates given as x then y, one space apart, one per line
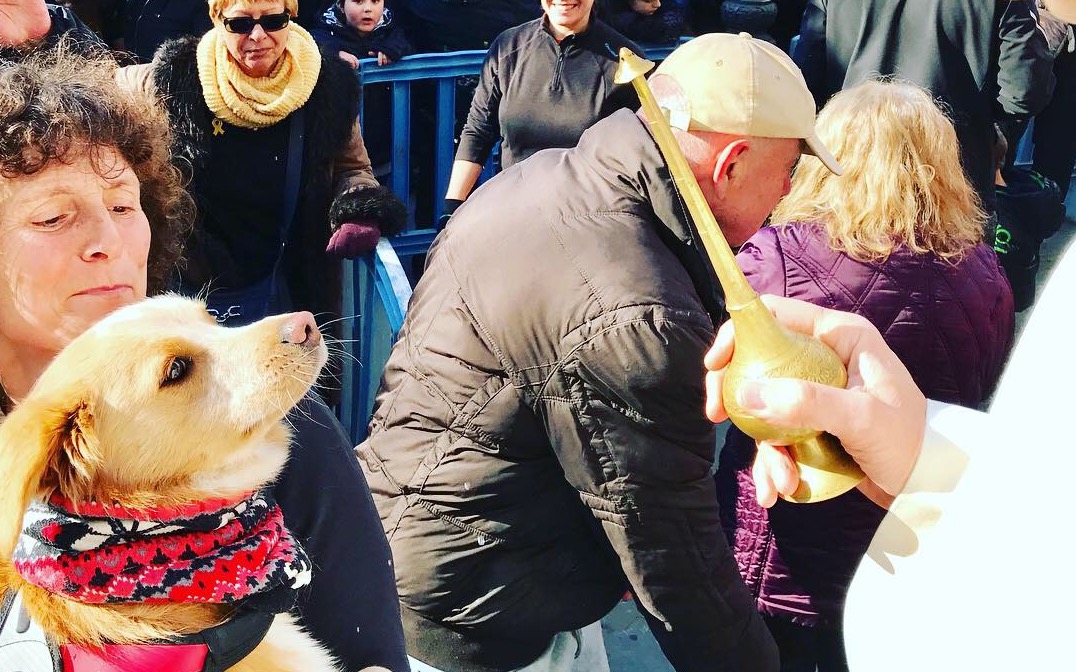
258 51
73 248
569 16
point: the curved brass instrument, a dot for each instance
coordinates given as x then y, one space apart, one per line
764 348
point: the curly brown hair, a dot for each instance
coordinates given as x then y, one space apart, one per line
56 104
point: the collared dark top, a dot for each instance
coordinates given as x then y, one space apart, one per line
539 443
536 93
987 61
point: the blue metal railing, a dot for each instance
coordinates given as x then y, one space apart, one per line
376 289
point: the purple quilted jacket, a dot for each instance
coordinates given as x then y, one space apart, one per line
952 326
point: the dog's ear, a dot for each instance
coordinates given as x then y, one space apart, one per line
44 449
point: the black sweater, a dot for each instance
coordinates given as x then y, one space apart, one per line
536 93
351 604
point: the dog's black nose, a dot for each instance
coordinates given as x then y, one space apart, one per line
300 329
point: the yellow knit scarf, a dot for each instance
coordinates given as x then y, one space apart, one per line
257 102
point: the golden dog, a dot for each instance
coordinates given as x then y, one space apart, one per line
157 407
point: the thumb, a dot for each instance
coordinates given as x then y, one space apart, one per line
788 402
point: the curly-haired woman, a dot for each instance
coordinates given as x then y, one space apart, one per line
92 217
896 238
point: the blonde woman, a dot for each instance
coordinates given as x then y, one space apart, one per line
898 239
267 130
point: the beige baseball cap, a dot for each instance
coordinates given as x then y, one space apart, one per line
739 85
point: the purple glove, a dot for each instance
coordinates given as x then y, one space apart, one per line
353 239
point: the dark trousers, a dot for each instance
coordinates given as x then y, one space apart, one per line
1055 126
805 649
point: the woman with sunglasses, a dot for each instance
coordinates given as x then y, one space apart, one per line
267 131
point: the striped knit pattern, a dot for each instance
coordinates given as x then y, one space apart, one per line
214 554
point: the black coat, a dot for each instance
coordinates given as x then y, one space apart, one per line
330 114
987 61
538 443
150 23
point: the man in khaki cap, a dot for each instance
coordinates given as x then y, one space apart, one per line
538 446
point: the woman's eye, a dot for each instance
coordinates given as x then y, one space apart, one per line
178 369
51 222
122 209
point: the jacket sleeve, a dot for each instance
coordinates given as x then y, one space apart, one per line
359 196
763 264
351 603
396 44
810 51
352 168
1025 69
483 127
634 442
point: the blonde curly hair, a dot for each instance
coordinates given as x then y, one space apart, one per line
218 7
903 184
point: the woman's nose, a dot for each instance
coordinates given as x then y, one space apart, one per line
258 32
103 238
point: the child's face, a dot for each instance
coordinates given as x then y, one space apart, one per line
647 7
363 15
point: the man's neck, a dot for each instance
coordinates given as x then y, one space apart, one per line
23 21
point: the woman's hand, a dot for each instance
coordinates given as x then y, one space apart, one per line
349 59
382 59
880 417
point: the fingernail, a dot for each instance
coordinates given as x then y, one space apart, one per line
749 395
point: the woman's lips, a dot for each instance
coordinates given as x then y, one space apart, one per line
106 290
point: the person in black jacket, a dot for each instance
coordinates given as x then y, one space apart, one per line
649 21
150 23
543 83
987 62
538 443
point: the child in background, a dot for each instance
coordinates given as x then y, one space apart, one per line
646 21
358 29
362 29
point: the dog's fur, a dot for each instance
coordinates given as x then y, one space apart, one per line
99 424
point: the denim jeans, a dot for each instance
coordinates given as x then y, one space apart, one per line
580 650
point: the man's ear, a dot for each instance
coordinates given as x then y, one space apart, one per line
44 449
725 168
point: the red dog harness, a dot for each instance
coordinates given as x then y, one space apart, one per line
25 647
135 658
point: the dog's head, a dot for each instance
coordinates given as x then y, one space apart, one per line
157 405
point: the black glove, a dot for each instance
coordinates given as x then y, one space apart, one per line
450 206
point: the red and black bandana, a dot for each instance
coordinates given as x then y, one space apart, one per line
213 552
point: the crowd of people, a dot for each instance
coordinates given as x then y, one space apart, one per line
544 437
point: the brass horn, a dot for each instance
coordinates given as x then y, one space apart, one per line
764 348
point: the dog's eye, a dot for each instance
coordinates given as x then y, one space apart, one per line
177 370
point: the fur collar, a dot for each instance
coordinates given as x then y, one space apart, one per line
331 110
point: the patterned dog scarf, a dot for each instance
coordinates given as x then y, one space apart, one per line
213 552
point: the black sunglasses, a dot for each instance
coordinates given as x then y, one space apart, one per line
270 23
